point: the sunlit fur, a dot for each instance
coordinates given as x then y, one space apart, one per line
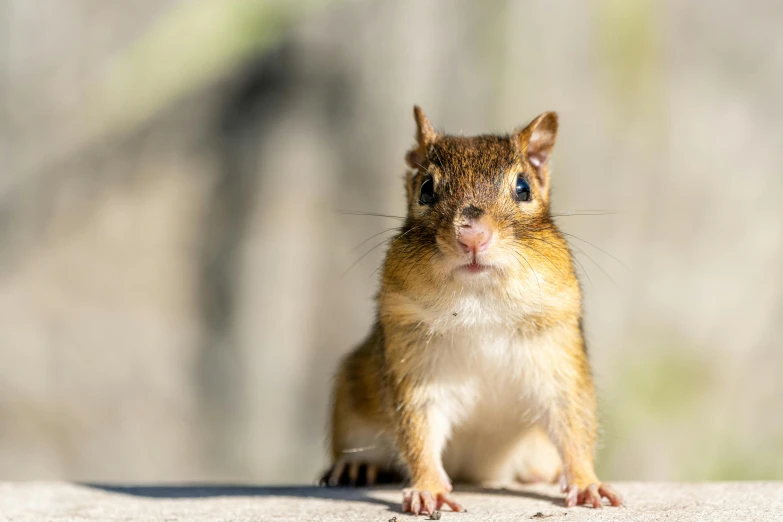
473 376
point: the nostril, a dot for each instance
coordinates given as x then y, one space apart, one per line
485 243
475 239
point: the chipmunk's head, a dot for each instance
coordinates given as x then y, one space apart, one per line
478 207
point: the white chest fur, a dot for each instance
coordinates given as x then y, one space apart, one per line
481 369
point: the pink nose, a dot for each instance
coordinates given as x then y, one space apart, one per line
474 237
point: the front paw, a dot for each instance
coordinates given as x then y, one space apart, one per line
591 495
427 501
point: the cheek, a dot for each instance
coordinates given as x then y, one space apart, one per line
446 239
509 214
423 234
515 221
409 187
524 215
505 242
418 213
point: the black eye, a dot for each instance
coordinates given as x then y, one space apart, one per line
522 189
427 192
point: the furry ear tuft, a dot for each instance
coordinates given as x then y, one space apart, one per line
537 141
425 136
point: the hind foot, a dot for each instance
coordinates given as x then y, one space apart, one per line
346 473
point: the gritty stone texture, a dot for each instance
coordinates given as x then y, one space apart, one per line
56 501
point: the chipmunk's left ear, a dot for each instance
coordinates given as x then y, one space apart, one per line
536 142
425 136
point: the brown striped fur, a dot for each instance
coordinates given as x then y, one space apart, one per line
477 377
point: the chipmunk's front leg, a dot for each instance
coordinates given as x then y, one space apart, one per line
421 435
571 422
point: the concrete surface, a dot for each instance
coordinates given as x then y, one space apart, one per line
57 501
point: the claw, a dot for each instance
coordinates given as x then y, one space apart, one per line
353 473
572 496
592 495
345 472
406 501
421 501
371 475
428 502
614 497
446 498
335 473
416 503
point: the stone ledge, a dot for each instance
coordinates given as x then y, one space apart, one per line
59 501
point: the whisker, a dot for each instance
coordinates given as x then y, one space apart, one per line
362 257
538 281
393 241
361 213
583 213
422 261
596 264
559 248
597 248
566 252
357 247
582 268
405 233
547 258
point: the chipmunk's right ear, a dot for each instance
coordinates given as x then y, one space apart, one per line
536 142
425 136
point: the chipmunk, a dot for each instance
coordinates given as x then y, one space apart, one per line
476 368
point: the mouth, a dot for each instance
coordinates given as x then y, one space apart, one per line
474 267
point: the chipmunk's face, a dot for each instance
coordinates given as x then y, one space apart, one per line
478 207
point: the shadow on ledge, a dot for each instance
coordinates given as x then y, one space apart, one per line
211 491
359 494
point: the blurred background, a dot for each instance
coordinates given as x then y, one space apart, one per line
177 277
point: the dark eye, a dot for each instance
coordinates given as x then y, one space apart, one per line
427 192
522 189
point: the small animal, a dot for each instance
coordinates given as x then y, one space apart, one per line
476 368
